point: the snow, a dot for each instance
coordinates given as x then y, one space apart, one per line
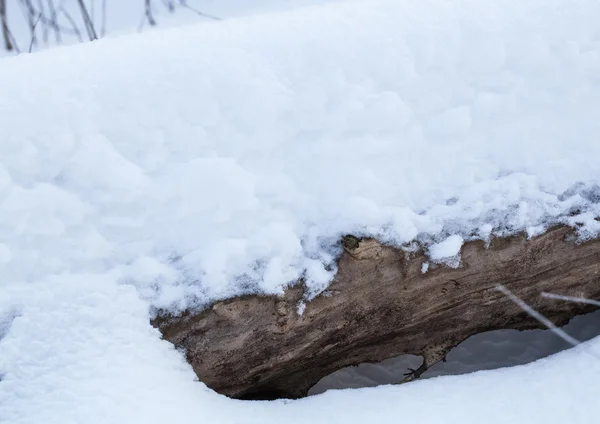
83 352
446 250
176 167
233 162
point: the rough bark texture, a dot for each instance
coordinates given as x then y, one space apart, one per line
381 305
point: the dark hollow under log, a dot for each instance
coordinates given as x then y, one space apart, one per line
379 306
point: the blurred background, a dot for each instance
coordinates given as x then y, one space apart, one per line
31 25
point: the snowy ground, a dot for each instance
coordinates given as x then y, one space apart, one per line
172 168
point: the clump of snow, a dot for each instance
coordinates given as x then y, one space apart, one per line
301 307
447 251
424 267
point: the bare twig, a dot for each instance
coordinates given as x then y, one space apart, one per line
542 319
43 13
184 4
8 40
53 21
571 299
30 15
14 43
535 314
103 19
148 12
170 5
33 32
73 23
89 25
34 17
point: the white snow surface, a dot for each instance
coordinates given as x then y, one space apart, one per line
83 352
207 161
447 250
181 166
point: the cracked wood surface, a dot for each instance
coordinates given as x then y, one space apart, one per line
381 305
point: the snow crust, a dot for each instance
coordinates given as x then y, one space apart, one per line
177 167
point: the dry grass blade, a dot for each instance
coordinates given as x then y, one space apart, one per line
571 298
535 314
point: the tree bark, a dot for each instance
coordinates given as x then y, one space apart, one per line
381 305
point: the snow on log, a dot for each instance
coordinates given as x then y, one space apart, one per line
382 305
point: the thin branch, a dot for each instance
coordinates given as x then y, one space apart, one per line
103 19
89 25
571 298
61 28
53 21
33 32
182 3
14 43
535 314
148 12
34 17
169 5
45 27
542 319
72 22
8 45
30 15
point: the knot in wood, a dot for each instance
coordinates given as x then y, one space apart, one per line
281 308
362 248
350 242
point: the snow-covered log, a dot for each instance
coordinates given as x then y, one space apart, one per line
382 304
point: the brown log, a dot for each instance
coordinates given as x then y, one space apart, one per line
381 305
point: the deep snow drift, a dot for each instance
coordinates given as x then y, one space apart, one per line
203 162
234 161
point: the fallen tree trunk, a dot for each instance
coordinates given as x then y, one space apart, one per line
381 305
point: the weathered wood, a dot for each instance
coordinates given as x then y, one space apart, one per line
381 305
